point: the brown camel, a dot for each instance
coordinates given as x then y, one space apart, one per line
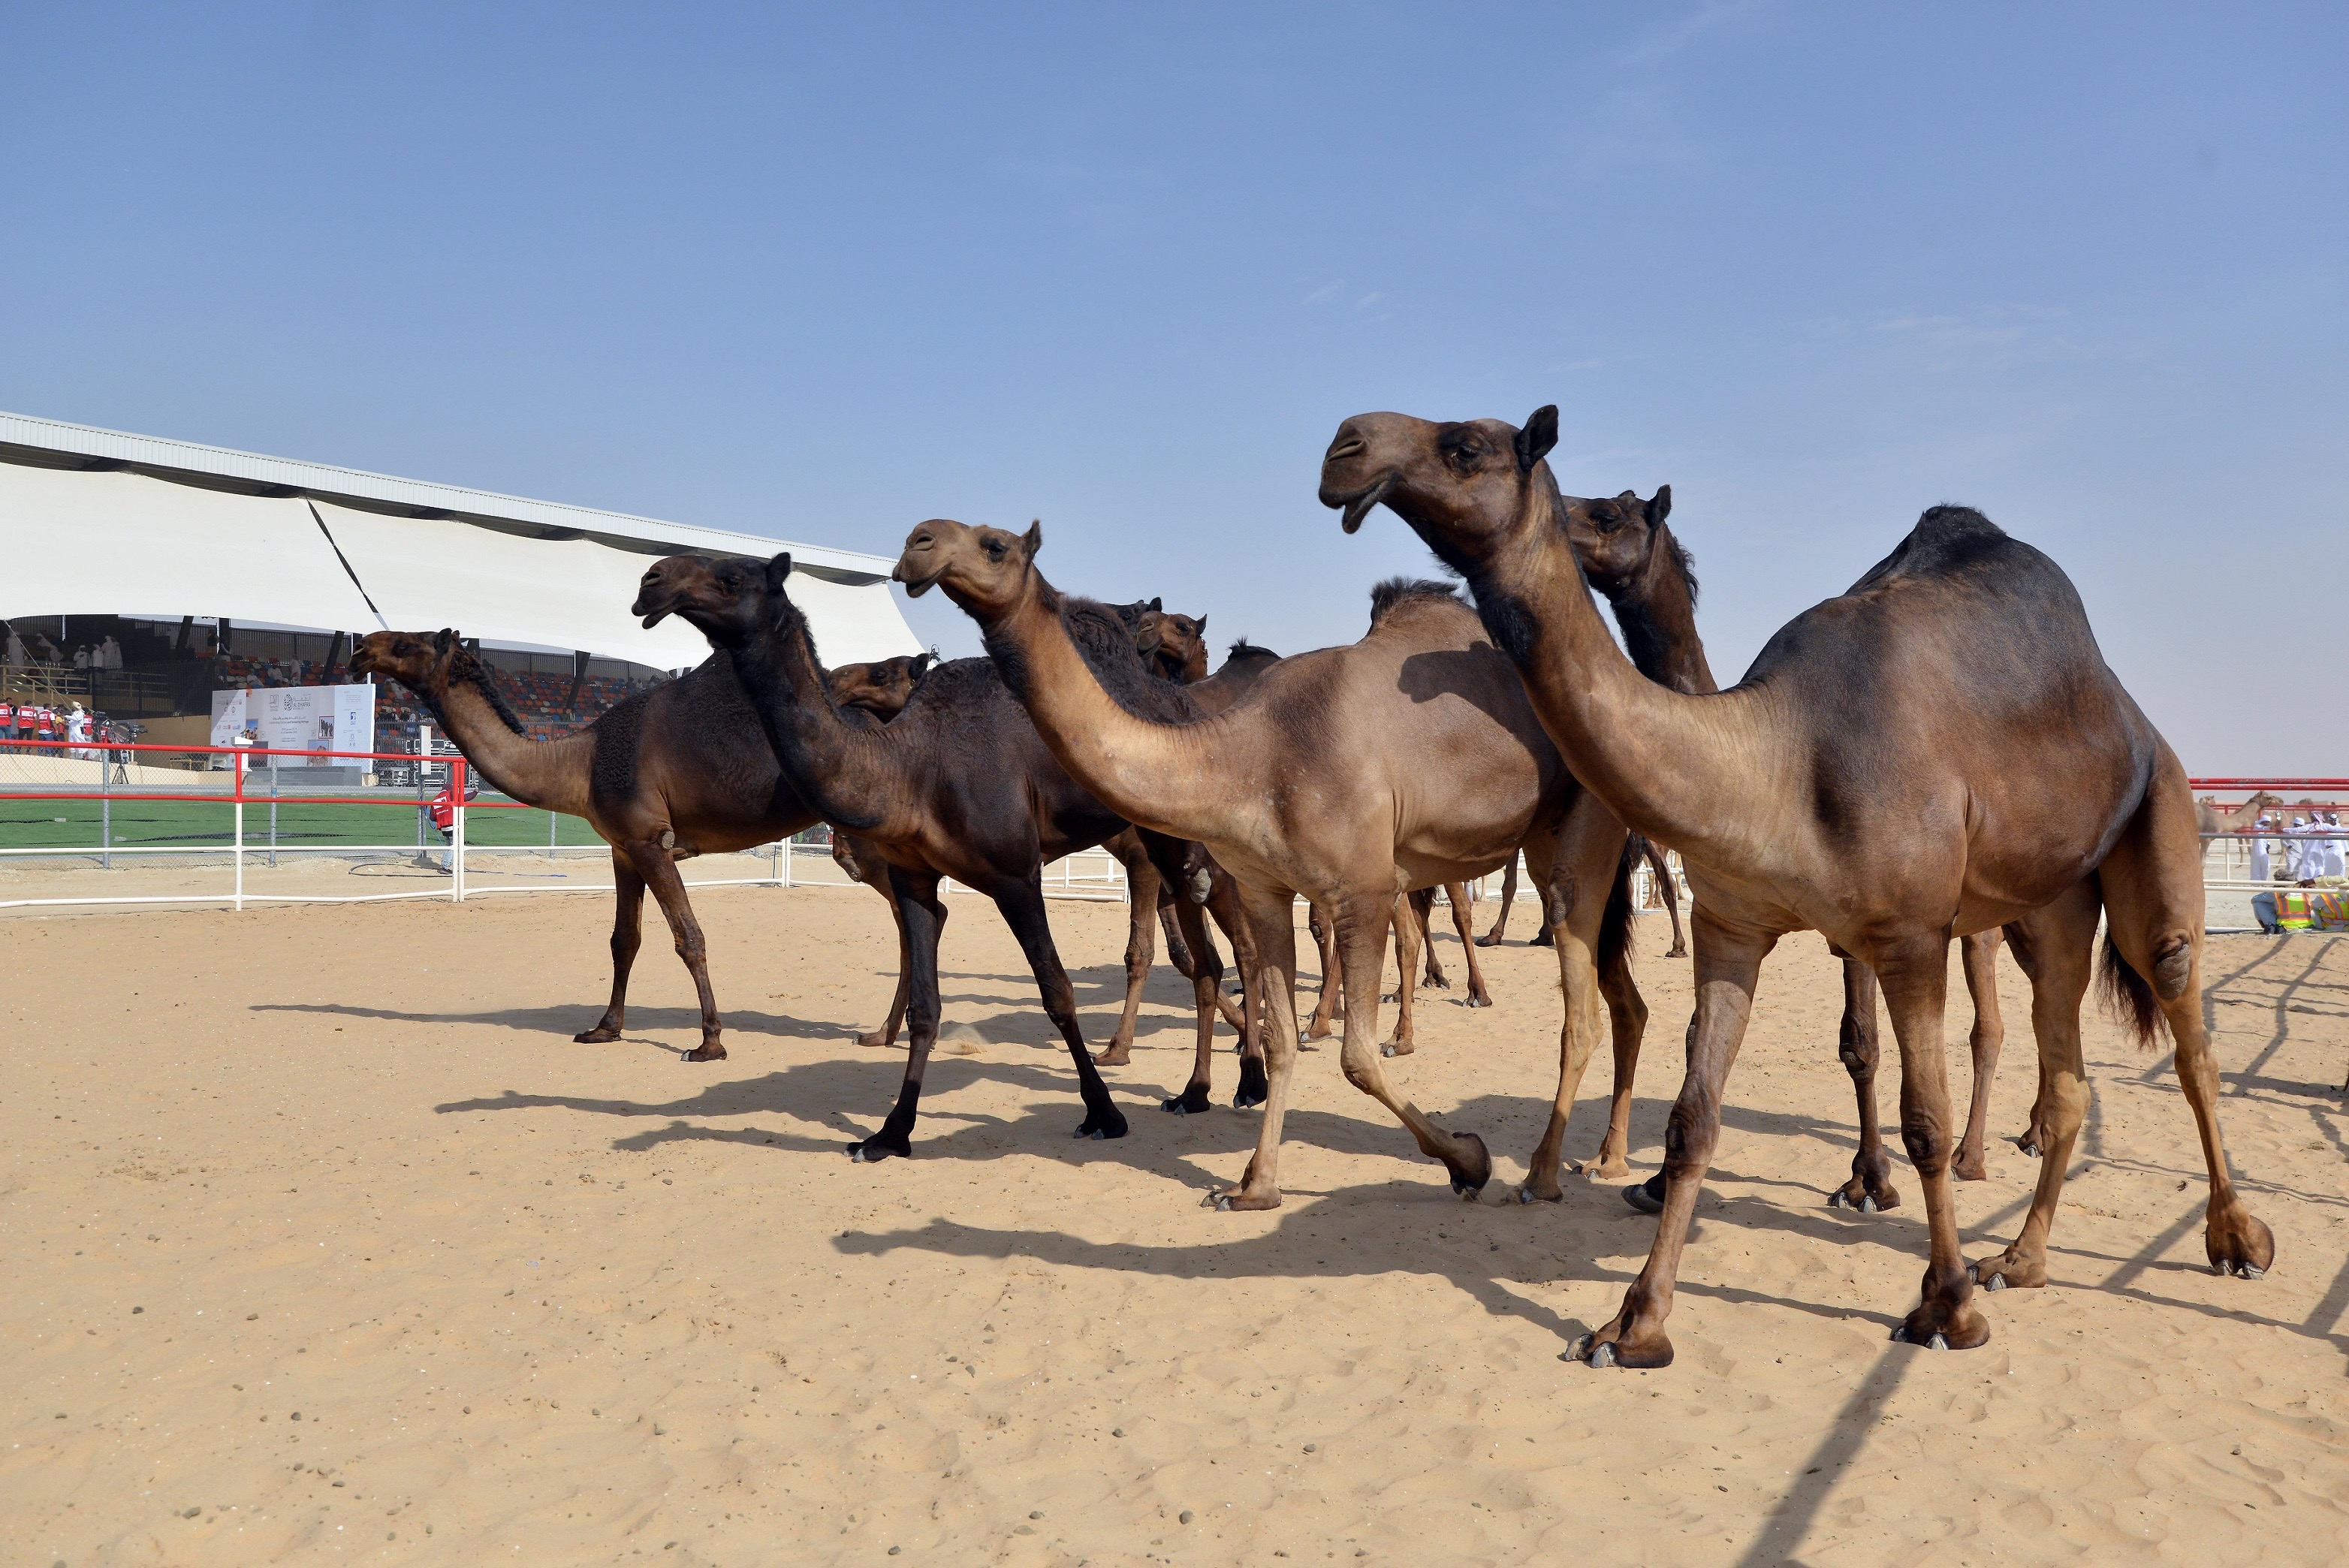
2212 818
957 786
665 774
1348 775
1939 751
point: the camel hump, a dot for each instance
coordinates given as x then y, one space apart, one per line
1947 541
1398 592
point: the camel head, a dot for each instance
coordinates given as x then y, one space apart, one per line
985 571
1464 487
881 689
728 600
1175 645
1614 539
420 661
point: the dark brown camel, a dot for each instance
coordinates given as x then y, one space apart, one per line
957 786
1937 752
665 774
880 688
1346 775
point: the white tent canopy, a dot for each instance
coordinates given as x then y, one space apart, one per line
153 527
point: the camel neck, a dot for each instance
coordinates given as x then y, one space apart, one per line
840 771
1655 607
1659 758
550 774
1159 776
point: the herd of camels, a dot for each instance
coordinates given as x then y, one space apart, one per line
1940 753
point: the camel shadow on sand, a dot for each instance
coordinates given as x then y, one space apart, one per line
1100 994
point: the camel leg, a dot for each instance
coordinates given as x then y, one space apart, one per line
1362 923
923 916
1576 874
1141 885
1023 903
1627 1012
886 1034
1671 894
1206 986
1272 924
1916 980
1980 954
1728 963
1871 1187
1423 911
1406 921
1177 952
658 869
1224 904
627 935
1501 921
871 870
1457 893
2153 915
2055 946
1325 938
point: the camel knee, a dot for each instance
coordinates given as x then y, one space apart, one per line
2064 1106
2173 965
1690 1135
1359 1063
1926 1139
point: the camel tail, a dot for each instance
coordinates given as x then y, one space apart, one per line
2128 996
1615 923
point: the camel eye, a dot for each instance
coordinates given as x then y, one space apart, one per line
994 548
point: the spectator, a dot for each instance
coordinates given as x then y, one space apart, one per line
7 717
81 655
111 653
2331 861
2261 865
18 656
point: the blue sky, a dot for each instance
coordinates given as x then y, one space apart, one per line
820 274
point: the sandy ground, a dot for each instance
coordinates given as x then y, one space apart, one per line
325 1243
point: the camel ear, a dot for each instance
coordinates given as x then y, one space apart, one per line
919 667
443 639
1159 606
1033 539
1202 626
1538 436
779 569
1662 507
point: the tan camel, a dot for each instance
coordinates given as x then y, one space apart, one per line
1346 775
1939 751
2211 818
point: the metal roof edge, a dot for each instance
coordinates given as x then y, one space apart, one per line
333 482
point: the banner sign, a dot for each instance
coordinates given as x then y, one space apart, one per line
297 718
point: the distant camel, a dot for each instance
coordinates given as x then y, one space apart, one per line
662 775
2211 818
1667 890
1939 751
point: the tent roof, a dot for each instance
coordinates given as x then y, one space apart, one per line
96 521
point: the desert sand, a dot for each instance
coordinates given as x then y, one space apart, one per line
325 1243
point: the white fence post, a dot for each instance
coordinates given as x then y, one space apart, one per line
457 831
236 847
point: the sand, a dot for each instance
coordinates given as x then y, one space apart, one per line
325 1243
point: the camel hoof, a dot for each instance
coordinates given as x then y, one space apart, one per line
1995 1282
1579 1346
1192 1101
1220 1202
1115 1057
1525 1194
871 1150
1602 1357
1098 1127
708 1051
1397 1048
1640 1198
598 1035
1244 1100
1867 1203
1466 1189
2026 1147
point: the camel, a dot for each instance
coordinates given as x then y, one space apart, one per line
2211 819
665 774
1348 775
957 786
1939 751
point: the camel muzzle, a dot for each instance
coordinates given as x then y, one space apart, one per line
1358 508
